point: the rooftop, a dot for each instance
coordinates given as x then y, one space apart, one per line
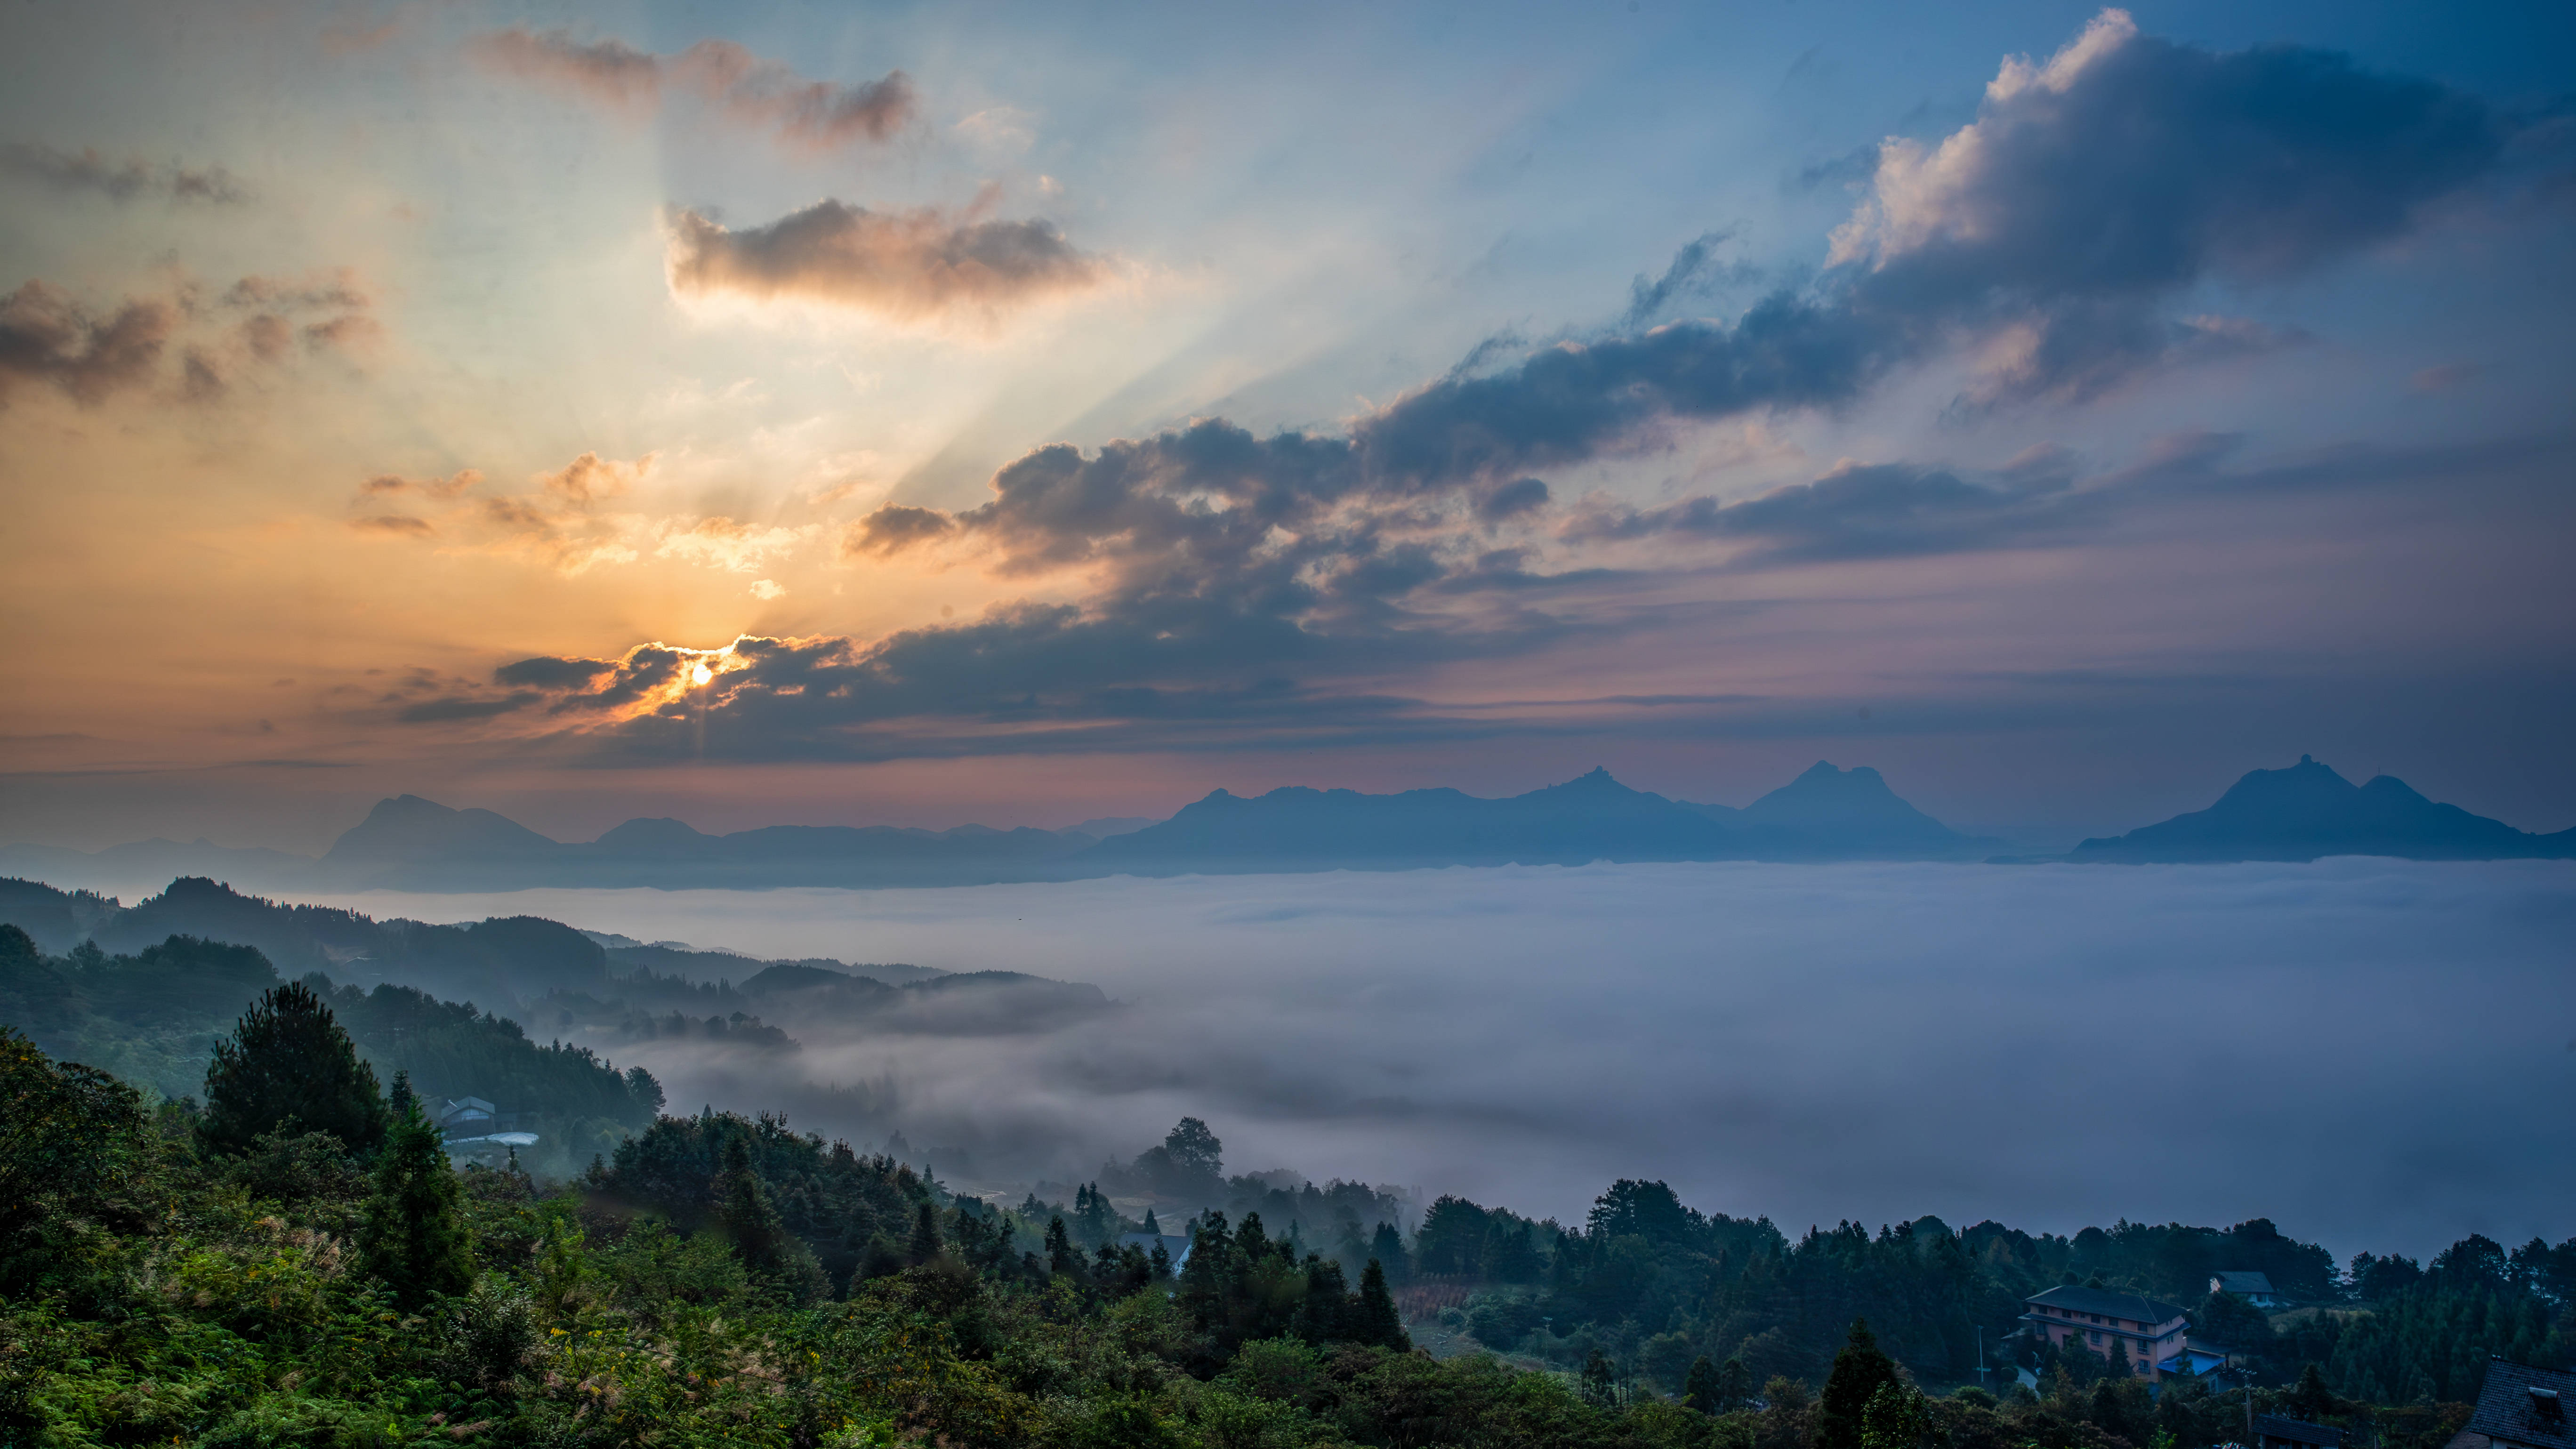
2248 1284
2108 1303
2297 1431
2526 1405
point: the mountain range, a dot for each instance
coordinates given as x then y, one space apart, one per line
2308 811
1826 813
409 843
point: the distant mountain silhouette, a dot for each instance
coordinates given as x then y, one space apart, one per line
1824 813
410 830
1834 812
419 844
409 843
2308 811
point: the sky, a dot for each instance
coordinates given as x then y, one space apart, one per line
924 414
2051 1046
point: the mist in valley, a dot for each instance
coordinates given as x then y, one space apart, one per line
2371 1052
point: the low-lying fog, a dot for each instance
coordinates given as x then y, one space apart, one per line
2372 1053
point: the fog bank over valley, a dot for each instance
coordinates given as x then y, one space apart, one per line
2371 1052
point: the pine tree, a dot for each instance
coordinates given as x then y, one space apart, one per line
1388 1248
1700 1387
1600 1381
401 1101
1373 1318
1859 1371
750 1221
1324 1316
743 1210
289 1061
1734 1385
1061 1257
413 1234
1152 1226
926 1246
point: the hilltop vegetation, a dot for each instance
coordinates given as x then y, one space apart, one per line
154 1018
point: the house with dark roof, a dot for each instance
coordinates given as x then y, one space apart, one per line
471 1122
2254 1288
2147 1334
2271 1431
2521 1407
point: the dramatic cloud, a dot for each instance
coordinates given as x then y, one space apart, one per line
87 170
1893 510
2047 239
2128 168
50 337
906 264
892 529
729 80
2045 236
546 673
46 337
1211 629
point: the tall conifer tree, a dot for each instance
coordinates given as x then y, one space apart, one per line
1699 1387
413 1235
289 1061
1860 1369
743 1209
1374 1319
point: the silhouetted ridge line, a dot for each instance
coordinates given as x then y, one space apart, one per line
2308 811
1825 813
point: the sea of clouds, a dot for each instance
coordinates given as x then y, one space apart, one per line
2375 1054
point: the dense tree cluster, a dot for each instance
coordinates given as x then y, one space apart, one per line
156 1018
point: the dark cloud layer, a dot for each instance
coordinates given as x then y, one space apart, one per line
901 264
2128 169
2088 194
51 338
46 337
745 89
88 170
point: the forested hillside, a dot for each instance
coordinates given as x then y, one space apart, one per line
290 1258
153 1018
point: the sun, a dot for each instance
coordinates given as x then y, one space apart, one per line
700 674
